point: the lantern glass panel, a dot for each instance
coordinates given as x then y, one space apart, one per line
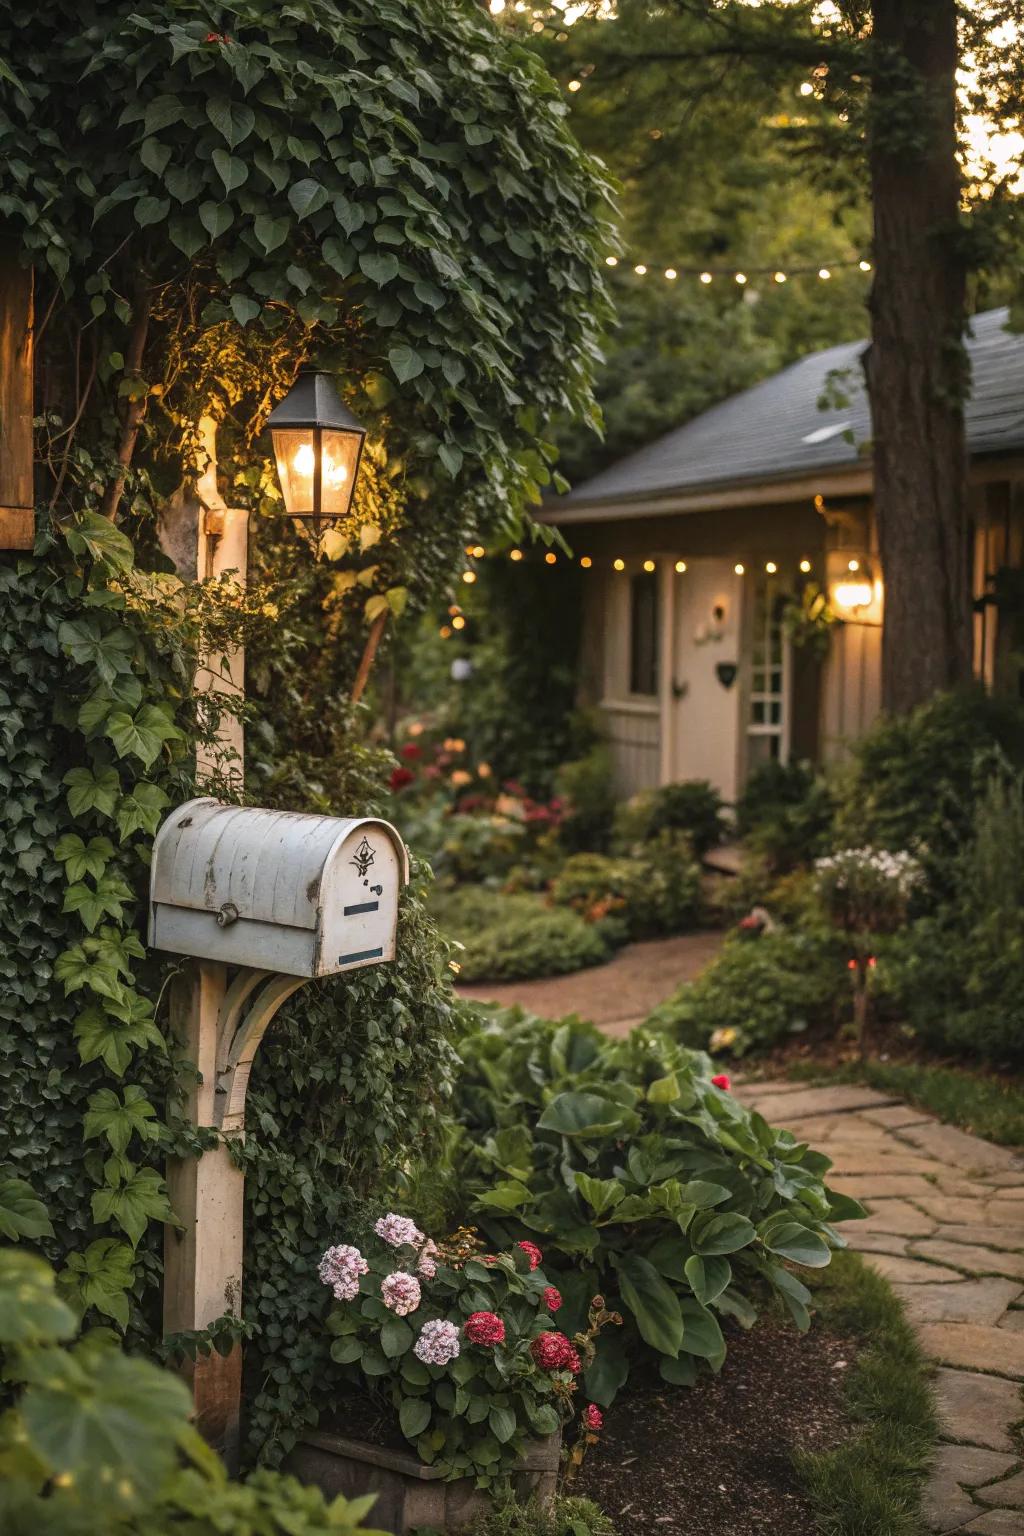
338 473
296 460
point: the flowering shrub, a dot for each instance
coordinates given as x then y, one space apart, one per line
459 1345
867 890
640 1176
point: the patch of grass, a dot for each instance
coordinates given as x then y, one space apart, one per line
566 1517
871 1484
989 1106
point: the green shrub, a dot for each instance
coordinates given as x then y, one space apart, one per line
513 938
657 890
786 813
642 1182
587 788
915 778
566 1517
758 991
99 1442
692 806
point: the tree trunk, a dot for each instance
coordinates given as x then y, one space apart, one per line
916 366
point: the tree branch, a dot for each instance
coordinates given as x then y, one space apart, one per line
369 652
136 409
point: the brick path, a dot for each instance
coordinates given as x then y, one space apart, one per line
946 1228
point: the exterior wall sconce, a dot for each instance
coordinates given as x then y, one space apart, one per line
318 444
854 588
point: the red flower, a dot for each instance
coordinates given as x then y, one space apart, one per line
722 1081
400 777
217 37
553 1352
484 1328
749 922
532 1252
593 1418
411 751
551 1298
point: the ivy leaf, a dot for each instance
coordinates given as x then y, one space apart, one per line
215 218
233 120
103 1036
231 171
21 1214
406 363
151 210
270 232
95 536
100 1277
141 810
107 652
80 858
243 308
31 1312
380 269
142 735
88 791
307 197
338 255
119 1120
155 156
77 967
375 606
414 1416
140 1199
93 905
161 113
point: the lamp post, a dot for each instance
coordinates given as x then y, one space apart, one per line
318 444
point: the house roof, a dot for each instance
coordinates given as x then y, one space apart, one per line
777 431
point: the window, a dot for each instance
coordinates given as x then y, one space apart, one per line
766 725
643 633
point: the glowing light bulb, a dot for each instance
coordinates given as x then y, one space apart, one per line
586 562
496 7
574 85
611 261
852 594
865 266
469 577
620 565
705 277
478 551
824 273
648 566
458 622
807 89
741 278
770 567
304 460
550 557
453 610
805 566
739 569
671 273
515 554
780 277
853 565
445 632
680 566
640 269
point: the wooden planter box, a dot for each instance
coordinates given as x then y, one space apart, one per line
408 1493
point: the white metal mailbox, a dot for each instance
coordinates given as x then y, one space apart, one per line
300 895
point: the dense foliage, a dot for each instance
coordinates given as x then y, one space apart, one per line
785 813
512 938
97 1440
641 1180
692 805
655 891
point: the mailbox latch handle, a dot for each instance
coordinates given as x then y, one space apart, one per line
227 915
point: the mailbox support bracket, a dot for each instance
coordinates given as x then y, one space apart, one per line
220 1024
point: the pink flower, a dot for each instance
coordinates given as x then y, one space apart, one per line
484 1328
553 1352
532 1252
722 1081
551 1298
340 1268
426 1264
400 1292
396 1230
593 1418
438 1343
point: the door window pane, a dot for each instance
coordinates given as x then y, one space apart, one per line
643 633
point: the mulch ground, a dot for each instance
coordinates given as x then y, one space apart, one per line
718 1461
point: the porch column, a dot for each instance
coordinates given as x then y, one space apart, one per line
666 668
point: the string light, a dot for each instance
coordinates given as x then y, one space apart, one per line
586 562
741 278
550 557
776 274
807 89
478 551
611 261
574 85
824 273
620 565
640 269
469 577
853 565
770 567
515 554
648 566
739 569
865 266
453 610
445 632
779 277
705 277
458 622
680 566
671 273
805 566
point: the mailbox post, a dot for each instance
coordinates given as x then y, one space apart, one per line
264 901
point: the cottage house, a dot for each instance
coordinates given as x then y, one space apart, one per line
699 549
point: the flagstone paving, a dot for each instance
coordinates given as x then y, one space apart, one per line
946 1228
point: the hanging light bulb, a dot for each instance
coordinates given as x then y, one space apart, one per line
586 562
620 565
458 622
648 566
805 566
574 85
611 261
865 266
770 567
469 577
780 277
550 557
853 565
478 551
705 277
741 278
445 631
640 269
515 554
680 566
824 273
806 89
671 273
739 569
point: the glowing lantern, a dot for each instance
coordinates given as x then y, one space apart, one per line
318 444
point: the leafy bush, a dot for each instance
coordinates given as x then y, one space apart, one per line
97 1441
657 890
588 790
866 891
692 806
566 1517
786 813
642 1181
516 937
757 992
915 778
479 1368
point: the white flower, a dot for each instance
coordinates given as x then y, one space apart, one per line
397 1230
400 1292
438 1343
340 1268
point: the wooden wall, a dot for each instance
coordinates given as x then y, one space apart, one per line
17 519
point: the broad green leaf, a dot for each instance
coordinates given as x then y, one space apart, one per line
80 858
243 308
406 363
701 1333
585 1114
600 1194
88 791
101 1035
653 1303
506 1195
414 1416
118 1120
347 1350
21 1213
307 197
711 1234
151 210
502 1424
31 1312
106 899
231 170
795 1242
107 652
608 1371
708 1277
233 120
143 734
94 535
380 268
681 1372
141 810
396 1337
134 1203
216 218
101 1277
271 232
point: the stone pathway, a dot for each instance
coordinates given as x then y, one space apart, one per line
616 996
946 1228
